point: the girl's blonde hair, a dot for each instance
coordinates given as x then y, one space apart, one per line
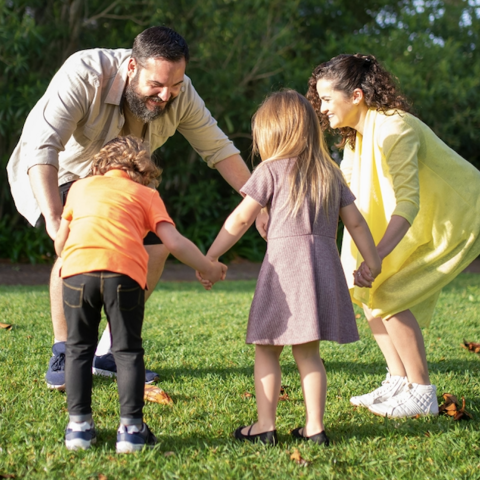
286 126
130 155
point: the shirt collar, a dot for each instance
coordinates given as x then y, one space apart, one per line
115 93
115 172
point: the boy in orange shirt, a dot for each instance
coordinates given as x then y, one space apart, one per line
100 239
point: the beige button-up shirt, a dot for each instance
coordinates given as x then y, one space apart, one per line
80 112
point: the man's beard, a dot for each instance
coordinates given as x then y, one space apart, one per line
137 103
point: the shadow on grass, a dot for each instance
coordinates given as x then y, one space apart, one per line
353 370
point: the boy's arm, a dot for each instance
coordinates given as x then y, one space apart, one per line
235 226
361 235
188 253
62 236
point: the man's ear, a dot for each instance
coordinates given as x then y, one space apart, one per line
132 67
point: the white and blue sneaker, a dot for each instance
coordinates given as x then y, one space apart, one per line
105 366
80 436
55 376
132 438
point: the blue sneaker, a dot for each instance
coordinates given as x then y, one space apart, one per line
105 365
132 438
80 436
55 376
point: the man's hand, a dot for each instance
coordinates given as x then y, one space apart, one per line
44 182
52 224
262 223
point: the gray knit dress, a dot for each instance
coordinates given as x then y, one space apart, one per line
301 293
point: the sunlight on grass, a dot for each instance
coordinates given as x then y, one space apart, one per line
196 341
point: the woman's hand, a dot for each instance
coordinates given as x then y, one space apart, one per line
364 277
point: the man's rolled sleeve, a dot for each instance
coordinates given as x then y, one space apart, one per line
53 120
202 132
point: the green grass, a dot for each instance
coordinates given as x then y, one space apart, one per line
196 340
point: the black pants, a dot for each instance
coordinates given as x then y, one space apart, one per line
124 300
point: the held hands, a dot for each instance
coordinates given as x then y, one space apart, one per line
218 271
364 276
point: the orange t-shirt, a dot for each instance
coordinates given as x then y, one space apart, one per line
109 216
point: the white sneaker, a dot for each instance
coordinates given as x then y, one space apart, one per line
415 400
391 386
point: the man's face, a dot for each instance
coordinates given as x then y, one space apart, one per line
151 89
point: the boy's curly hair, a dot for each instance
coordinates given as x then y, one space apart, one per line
130 155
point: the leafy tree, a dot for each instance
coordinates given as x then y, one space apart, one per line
240 51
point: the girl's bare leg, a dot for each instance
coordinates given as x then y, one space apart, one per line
314 385
401 342
267 387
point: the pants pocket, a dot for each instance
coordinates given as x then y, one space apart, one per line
129 298
72 296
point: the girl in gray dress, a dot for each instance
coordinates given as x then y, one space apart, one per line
301 295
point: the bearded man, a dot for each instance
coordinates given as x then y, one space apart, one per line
95 96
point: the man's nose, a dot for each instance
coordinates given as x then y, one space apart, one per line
165 94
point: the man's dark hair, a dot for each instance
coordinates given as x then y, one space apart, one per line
159 42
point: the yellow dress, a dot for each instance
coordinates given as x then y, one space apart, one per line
400 167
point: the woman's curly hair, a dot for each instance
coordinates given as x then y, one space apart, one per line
348 72
130 155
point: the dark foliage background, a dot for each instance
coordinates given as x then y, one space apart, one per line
241 50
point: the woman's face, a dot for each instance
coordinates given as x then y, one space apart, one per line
340 110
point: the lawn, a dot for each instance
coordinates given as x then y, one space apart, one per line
196 341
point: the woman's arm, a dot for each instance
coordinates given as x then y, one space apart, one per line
358 229
235 227
61 237
396 230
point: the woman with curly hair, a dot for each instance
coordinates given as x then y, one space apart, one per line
421 202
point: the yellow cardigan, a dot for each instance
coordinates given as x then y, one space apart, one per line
400 167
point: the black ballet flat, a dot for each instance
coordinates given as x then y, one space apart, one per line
320 438
267 438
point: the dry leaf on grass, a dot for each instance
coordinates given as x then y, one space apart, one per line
451 407
297 458
168 454
101 476
157 395
247 395
7 475
471 346
358 316
283 393
6 326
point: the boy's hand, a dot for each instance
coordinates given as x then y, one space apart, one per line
217 272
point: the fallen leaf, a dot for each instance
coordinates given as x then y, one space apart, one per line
451 407
358 315
7 475
247 395
157 395
283 393
297 458
471 346
168 454
6 326
101 476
